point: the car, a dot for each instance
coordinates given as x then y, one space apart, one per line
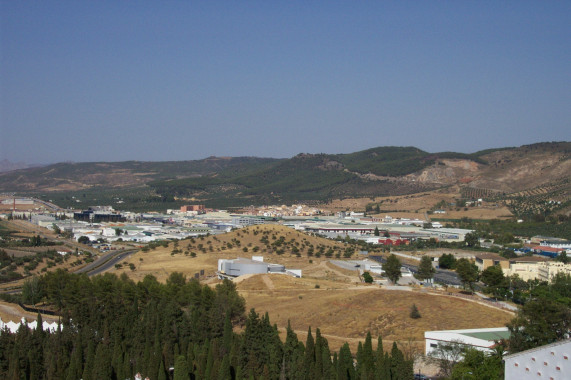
419 376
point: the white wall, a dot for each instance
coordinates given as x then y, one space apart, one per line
548 362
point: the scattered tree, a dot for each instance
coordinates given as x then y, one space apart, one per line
392 268
468 273
414 313
425 269
447 261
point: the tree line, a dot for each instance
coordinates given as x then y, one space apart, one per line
113 328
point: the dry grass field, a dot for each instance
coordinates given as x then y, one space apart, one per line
348 312
415 206
327 297
160 262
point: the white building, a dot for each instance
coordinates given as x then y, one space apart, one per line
552 361
480 339
13 326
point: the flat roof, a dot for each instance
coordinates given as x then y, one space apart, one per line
489 335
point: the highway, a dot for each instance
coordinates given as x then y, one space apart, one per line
105 262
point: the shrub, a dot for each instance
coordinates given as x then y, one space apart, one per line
367 277
414 313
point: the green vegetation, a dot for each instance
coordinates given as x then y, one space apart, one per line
414 313
367 277
392 268
425 269
468 273
544 318
114 328
447 261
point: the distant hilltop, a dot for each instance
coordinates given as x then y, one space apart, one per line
543 170
6 166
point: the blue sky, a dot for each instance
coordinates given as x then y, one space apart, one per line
177 80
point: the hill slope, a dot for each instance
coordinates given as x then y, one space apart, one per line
225 182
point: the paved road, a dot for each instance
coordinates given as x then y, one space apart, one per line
102 264
105 262
441 275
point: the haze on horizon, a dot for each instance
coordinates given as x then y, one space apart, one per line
116 81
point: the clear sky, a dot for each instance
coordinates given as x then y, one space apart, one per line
180 80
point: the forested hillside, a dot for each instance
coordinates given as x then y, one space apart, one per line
220 182
113 328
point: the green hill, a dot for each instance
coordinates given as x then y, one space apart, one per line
222 182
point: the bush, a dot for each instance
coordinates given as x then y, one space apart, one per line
367 277
414 313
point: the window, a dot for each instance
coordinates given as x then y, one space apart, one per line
433 345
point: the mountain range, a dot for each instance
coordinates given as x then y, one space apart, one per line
235 181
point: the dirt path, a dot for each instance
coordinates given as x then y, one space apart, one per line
339 273
268 281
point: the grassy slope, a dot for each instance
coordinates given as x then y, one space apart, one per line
342 307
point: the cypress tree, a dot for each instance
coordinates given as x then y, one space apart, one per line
382 368
162 373
117 361
318 369
345 368
209 362
102 367
14 365
335 362
328 372
309 357
224 370
74 370
358 367
181 369
290 346
401 369
89 361
368 359
227 335
155 359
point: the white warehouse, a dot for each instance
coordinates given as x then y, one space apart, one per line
256 265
